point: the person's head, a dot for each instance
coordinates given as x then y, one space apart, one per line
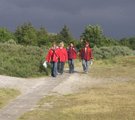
71 44
61 44
54 44
87 44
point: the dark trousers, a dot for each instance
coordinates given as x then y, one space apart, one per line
54 69
71 65
61 67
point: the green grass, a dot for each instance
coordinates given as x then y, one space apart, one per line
112 101
6 95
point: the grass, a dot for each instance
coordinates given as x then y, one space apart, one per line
6 95
113 101
123 67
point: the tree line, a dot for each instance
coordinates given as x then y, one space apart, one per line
27 34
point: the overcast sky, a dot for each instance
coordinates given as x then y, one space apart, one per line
116 17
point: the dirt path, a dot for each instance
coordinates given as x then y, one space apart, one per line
34 89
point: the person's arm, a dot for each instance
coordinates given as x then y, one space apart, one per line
79 54
74 50
91 54
57 52
48 57
66 55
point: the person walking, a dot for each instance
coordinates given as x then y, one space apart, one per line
86 56
52 57
72 54
62 58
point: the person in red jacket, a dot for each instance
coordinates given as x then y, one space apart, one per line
86 56
72 54
52 57
62 58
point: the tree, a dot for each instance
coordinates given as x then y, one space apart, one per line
43 38
26 34
130 42
93 34
5 35
65 35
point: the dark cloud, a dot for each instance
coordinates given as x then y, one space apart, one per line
115 16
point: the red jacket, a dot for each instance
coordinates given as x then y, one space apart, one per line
71 53
86 53
52 55
62 52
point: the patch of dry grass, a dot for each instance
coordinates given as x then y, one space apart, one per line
6 95
112 101
123 67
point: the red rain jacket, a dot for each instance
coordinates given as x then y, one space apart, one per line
86 54
62 52
72 54
52 55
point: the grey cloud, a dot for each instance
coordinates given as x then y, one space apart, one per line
115 16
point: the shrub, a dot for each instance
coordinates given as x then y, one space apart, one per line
21 61
109 52
11 41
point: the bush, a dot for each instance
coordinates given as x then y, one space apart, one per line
11 41
21 61
109 52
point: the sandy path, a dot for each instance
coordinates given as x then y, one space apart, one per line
34 89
